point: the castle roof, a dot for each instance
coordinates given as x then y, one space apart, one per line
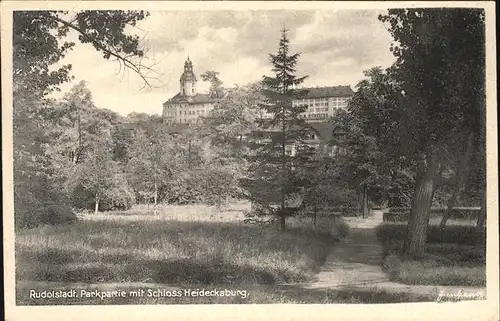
324 92
196 99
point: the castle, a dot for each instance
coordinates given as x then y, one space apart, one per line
188 105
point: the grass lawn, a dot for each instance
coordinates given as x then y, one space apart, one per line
453 257
181 250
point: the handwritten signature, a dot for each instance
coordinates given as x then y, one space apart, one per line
460 295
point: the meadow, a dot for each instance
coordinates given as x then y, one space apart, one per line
199 247
180 246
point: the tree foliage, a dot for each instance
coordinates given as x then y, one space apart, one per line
375 141
216 91
234 117
38 43
437 93
38 198
46 144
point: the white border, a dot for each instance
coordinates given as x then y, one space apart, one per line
478 310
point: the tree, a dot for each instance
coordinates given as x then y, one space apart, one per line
150 164
97 176
122 141
460 176
76 123
285 125
38 196
38 44
37 35
216 90
221 182
440 78
135 117
234 117
317 179
374 144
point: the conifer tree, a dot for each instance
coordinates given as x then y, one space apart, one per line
283 127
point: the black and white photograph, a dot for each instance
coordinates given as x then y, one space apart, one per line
226 153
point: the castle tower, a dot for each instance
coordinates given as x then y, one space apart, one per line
188 80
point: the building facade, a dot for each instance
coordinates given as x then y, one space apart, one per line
188 105
322 102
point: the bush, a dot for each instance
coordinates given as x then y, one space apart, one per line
182 189
260 214
38 202
396 216
46 213
466 235
219 183
118 197
402 214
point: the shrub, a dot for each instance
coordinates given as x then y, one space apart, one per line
260 213
38 196
119 197
38 201
183 188
46 212
219 183
466 235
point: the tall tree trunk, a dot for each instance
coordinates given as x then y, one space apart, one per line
451 203
365 202
96 209
80 143
420 210
283 170
155 181
358 203
240 144
283 219
461 174
79 149
315 214
156 197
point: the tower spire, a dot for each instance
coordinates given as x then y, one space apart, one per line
188 79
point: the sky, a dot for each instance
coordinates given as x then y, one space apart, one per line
335 47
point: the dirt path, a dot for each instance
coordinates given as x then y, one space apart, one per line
356 263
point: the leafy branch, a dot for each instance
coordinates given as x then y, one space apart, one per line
129 47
